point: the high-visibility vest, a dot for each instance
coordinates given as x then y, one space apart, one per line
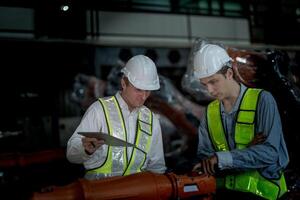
250 181
117 162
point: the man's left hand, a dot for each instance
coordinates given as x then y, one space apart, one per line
207 166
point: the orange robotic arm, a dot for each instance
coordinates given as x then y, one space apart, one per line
146 186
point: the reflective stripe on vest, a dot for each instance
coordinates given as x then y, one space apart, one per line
144 134
117 163
245 124
250 181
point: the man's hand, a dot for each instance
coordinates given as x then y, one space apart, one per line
207 166
91 144
259 138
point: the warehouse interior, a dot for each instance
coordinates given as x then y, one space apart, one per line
59 56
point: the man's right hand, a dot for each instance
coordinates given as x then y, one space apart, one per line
91 144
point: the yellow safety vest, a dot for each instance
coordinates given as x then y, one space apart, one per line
250 181
117 163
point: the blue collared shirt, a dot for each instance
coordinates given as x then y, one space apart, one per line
270 157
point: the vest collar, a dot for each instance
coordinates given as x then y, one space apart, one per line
123 104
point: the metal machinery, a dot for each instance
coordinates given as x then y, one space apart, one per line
145 185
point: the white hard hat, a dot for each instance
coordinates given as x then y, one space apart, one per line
141 73
209 60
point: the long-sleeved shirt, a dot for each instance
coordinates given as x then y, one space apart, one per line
269 158
94 120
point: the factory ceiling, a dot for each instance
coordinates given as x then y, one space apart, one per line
271 22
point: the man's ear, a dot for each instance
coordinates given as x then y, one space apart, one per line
229 74
123 84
